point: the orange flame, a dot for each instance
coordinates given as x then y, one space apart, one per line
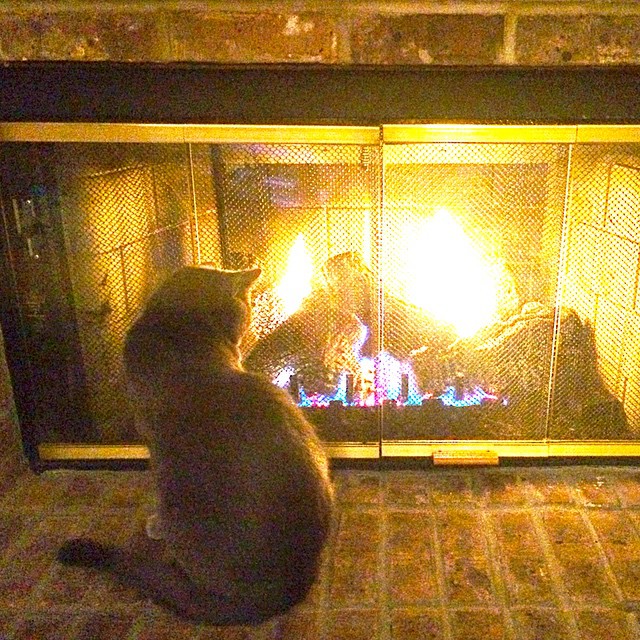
295 285
447 276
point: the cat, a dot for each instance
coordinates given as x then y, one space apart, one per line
244 495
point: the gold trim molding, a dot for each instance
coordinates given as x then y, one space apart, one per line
178 133
549 134
401 133
515 449
312 134
502 448
73 451
371 450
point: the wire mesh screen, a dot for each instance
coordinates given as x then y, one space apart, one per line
596 382
127 215
471 239
408 290
309 216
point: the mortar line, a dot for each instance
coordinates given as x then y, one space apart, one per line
498 571
556 571
384 596
602 553
322 610
440 575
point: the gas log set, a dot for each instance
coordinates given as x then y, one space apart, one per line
338 363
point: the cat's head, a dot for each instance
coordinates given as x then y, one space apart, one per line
221 297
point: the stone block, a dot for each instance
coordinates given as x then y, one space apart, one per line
553 39
502 488
352 625
618 269
216 36
628 488
409 624
299 625
584 256
596 489
467 570
609 332
484 624
410 558
358 532
623 202
621 543
577 39
83 35
548 488
403 488
616 39
582 301
426 39
357 487
582 569
632 401
605 625
527 575
535 624
451 489
355 581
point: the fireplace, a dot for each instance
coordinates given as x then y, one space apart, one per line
450 257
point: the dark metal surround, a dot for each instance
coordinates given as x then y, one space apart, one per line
103 92
314 94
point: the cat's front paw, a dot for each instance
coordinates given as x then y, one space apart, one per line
153 527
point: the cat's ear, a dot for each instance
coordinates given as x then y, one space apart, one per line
244 279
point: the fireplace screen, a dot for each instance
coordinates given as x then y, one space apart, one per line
411 291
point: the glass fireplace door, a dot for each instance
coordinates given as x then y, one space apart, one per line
509 270
123 214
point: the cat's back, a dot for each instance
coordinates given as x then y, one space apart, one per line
256 464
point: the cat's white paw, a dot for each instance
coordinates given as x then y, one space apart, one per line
153 527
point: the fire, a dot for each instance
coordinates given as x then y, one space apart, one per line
447 276
295 285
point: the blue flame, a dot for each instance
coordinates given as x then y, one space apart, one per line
470 397
385 383
321 400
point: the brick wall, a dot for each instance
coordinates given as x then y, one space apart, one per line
553 32
447 32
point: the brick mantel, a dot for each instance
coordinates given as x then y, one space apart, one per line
456 32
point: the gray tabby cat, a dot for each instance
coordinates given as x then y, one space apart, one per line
244 496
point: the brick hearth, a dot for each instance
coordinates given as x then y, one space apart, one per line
502 553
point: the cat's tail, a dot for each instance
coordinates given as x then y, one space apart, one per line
167 584
83 552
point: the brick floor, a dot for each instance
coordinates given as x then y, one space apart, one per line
512 553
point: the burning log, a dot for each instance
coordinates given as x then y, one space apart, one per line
337 325
315 343
515 356
406 326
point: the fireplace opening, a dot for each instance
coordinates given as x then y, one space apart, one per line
449 254
411 291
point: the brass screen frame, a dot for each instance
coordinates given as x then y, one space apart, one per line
58 454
